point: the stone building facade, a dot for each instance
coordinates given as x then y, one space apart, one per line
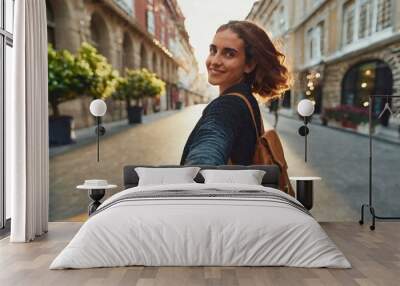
339 51
130 34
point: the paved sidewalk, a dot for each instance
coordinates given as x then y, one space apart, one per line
389 134
87 135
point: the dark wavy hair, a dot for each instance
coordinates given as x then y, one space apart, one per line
270 77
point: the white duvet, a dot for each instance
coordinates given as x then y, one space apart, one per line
200 231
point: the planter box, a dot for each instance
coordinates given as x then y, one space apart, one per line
60 130
134 114
178 104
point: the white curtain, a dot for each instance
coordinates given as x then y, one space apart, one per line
27 124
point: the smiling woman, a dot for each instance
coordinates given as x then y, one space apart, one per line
242 59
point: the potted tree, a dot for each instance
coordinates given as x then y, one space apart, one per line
137 85
154 86
61 66
95 76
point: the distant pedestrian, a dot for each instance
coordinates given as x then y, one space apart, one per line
273 108
242 59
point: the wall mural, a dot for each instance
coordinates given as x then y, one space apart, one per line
160 104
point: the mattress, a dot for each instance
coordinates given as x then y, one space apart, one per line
201 225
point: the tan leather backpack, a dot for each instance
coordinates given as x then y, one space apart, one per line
269 150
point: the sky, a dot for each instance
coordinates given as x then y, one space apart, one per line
203 17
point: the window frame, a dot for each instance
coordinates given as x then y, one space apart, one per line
373 23
6 39
314 39
348 8
150 21
367 7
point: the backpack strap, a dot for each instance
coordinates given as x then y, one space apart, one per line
251 111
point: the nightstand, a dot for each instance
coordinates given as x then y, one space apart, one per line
96 191
304 190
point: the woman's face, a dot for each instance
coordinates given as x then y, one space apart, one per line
226 62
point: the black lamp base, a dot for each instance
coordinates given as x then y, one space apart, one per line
100 130
96 195
304 130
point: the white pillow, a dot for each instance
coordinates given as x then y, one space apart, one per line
248 177
162 176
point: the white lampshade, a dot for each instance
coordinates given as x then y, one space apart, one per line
305 107
98 107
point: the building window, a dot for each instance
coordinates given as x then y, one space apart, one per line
321 31
150 22
310 44
315 38
143 57
384 15
6 61
365 21
162 32
373 16
316 2
348 22
126 5
99 37
127 52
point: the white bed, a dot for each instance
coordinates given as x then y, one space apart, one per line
185 230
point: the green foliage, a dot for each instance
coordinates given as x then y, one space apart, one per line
86 73
61 77
138 84
98 78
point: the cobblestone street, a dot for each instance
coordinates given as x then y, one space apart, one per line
340 158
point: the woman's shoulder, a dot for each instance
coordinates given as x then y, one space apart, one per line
227 102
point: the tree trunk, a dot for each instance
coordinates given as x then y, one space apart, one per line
128 102
54 107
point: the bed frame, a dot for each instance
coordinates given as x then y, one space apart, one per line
270 179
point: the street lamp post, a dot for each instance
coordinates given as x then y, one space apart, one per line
98 108
305 108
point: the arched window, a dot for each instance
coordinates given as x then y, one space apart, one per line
154 63
127 52
162 74
368 78
143 57
99 34
51 25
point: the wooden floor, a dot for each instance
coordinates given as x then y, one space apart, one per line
374 255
